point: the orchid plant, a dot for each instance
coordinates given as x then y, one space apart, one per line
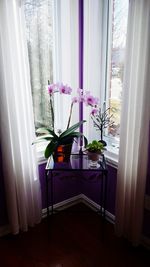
57 138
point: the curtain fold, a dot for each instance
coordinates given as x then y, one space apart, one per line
21 179
66 59
134 124
95 44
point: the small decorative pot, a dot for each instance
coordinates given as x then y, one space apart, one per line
93 156
93 159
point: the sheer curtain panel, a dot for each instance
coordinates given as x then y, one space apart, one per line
16 122
66 58
134 124
95 45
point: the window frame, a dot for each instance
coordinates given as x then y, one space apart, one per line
112 142
112 147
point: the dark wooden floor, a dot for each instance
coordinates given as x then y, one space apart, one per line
75 240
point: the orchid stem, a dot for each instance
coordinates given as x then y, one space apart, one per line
52 112
70 115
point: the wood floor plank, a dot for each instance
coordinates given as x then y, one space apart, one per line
73 238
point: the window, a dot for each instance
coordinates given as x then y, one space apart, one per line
39 29
117 44
104 55
105 27
52 38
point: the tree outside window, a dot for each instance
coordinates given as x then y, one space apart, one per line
39 31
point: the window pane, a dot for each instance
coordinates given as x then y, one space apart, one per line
39 29
118 43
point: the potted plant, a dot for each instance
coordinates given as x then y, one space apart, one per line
58 140
94 149
65 139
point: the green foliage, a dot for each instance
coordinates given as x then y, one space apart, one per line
55 140
95 146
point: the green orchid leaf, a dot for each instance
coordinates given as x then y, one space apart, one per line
43 138
42 130
72 129
50 148
69 139
38 141
72 135
85 141
46 131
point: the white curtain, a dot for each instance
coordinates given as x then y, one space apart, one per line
95 40
17 127
66 58
134 124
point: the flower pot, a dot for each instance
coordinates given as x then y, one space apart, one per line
62 153
93 159
93 156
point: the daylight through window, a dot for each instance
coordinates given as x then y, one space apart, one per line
40 40
116 64
39 29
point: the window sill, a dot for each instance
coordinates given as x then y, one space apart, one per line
112 151
40 147
111 158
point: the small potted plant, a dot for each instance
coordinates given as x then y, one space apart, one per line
94 149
